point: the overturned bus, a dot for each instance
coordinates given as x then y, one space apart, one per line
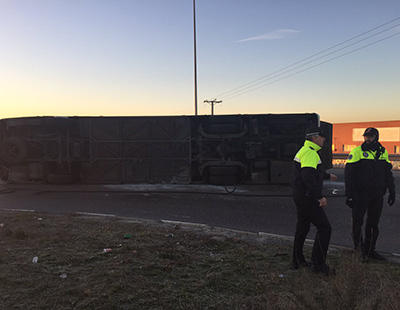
222 149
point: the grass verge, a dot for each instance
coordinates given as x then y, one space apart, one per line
156 266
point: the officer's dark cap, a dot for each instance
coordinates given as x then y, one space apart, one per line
314 131
370 131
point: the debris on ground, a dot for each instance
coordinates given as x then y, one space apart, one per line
127 236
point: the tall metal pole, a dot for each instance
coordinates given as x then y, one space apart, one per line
195 57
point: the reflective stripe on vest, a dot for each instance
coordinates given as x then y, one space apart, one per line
358 154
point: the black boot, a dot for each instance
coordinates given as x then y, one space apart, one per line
357 237
296 264
358 244
323 269
375 255
369 246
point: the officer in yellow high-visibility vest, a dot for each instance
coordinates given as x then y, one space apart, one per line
368 176
307 195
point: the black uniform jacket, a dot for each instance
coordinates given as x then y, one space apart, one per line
366 174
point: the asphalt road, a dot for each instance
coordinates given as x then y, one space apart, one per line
256 214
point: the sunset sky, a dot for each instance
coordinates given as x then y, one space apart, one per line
135 57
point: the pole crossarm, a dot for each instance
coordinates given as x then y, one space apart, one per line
212 103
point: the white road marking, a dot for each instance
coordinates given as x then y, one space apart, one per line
264 234
184 223
20 210
95 214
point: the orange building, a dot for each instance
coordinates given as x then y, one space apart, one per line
347 136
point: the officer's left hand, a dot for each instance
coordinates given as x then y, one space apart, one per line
323 202
333 177
391 199
349 202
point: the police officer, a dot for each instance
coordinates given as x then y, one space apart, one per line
307 195
368 175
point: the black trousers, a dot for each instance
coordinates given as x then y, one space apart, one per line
309 212
370 204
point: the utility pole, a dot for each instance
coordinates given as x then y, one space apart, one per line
212 103
195 57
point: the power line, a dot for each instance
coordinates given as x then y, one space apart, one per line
307 58
312 56
316 65
310 61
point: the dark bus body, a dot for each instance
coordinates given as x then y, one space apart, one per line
221 149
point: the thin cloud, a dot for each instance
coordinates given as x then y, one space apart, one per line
273 35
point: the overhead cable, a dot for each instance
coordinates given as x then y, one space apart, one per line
299 63
311 67
273 76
